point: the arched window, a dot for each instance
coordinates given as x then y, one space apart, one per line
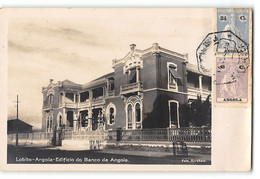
138 115
134 113
48 124
130 116
111 114
51 98
60 121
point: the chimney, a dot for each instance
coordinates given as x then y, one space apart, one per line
155 44
132 47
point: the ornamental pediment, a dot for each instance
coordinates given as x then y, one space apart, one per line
133 60
134 57
50 88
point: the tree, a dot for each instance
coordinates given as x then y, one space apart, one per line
200 112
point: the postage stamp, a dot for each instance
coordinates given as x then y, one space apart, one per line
230 46
231 80
232 64
235 22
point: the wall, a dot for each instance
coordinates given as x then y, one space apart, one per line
120 118
148 73
120 79
156 109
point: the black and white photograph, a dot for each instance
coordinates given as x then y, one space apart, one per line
108 87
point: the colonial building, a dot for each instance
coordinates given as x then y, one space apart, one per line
148 89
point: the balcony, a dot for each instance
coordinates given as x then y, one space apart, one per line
110 93
194 92
98 101
48 106
131 88
69 105
84 104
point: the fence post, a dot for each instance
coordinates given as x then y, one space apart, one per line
203 134
141 134
168 133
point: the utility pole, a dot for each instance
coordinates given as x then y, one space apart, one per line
16 142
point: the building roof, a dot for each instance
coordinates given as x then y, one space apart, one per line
108 75
15 122
70 83
194 69
99 81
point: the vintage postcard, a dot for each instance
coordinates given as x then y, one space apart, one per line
126 89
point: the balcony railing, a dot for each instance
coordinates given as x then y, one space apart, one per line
172 86
69 105
193 93
110 93
99 100
47 106
130 88
84 104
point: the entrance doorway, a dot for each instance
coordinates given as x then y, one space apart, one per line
70 118
83 118
97 118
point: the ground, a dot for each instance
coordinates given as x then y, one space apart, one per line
50 155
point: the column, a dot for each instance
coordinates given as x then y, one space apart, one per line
90 95
137 75
200 83
74 97
127 76
80 121
64 116
108 88
63 97
75 120
90 119
103 118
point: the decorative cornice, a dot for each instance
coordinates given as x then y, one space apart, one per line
136 54
51 86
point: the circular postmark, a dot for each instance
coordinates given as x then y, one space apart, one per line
231 54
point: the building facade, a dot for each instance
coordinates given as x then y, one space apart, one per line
148 89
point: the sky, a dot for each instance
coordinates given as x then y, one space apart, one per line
80 44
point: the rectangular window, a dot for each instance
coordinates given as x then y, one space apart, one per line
174 114
172 76
132 76
172 79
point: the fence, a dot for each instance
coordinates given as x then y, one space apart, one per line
163 134
85 135
35 138
169 134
